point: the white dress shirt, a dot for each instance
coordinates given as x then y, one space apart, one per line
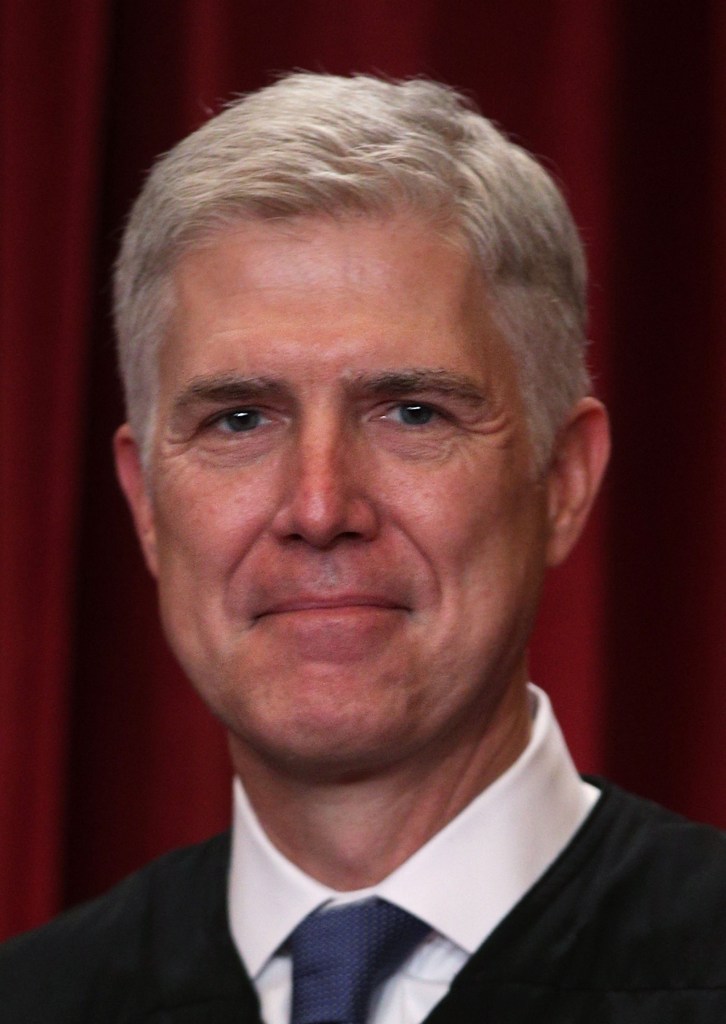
463 882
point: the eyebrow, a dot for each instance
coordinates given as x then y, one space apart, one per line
230 388
404 382
235 389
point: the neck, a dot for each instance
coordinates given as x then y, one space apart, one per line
351 832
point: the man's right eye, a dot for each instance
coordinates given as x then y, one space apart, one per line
239 421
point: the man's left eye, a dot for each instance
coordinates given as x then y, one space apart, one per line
414 414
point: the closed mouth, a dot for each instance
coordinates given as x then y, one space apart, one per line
340 602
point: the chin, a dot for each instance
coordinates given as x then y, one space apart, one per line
324 744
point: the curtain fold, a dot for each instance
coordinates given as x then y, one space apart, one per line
666 515
106 756
52 68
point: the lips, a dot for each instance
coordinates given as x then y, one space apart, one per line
332 602
327 629
326 588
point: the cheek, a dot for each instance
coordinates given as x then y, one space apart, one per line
454 513
205 525
491 545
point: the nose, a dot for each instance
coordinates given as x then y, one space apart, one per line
326 495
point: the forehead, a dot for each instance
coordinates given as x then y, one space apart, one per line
328 293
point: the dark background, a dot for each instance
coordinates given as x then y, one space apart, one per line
106 758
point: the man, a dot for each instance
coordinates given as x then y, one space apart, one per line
351 331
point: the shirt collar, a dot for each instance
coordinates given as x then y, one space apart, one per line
462 882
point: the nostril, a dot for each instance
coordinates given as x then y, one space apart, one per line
326 543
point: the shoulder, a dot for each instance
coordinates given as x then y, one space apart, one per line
635 903
627 925
671 860
114 949
654 878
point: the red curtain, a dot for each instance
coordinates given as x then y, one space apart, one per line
106 757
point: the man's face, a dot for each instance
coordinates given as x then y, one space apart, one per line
340 509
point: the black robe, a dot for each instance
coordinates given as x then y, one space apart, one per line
628 926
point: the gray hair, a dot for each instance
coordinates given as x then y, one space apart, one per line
317 144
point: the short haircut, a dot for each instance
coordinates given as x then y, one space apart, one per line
318 144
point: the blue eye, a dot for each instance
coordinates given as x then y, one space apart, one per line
240 420
415 415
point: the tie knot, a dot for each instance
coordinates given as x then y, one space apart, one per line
340 956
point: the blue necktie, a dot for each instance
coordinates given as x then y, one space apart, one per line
340 956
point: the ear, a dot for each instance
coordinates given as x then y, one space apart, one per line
134 485
576 471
